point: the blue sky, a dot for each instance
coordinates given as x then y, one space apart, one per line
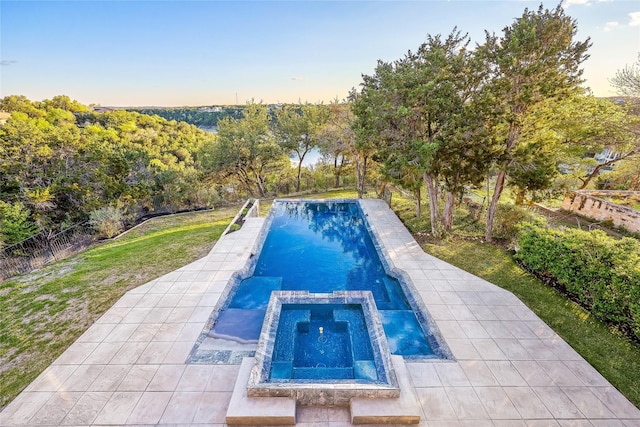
173 53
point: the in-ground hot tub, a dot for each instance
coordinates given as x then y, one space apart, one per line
322 349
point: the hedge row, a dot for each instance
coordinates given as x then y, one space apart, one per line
602 273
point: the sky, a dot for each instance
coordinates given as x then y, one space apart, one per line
179 53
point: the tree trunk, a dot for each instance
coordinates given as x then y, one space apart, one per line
418 203
432 191
447 213
361 173
520 196
491 211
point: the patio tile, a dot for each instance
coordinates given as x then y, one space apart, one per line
587 373
168 332
527 402
209 299
149 408
465 403
138 378
22 409
463 349
155 353
533 373
497 403
128 353
181 408
496 329
76 354
587 402
435 404
473 329
575 423
200 314
538 350
97 332
191 331
212 407
109 378
542 423
461 312
178 353
137 315
512 349
179 315
451 329
82 378
118 408
557 402
478 373
560 374
195 378
145 332
190 300
103 353
121 332
56 408
513 423
451 374
488 349
616 402
505 373
158 314
52 378
223 378
86 408
166 378
114 315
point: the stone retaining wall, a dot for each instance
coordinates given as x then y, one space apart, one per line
586 203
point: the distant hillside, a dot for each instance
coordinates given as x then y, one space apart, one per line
203 117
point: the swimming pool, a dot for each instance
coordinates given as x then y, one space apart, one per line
321 247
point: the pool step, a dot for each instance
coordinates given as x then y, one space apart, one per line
257 411
402 410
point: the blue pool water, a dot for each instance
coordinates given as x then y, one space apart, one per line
328 341
321 247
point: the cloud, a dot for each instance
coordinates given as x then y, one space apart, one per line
569 3
7 62
611 25
296 79
635 19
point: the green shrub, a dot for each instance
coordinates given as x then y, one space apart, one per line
508 219
107 221
601 272
15 225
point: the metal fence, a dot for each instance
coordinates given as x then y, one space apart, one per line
44 248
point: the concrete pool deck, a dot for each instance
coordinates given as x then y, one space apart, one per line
511 369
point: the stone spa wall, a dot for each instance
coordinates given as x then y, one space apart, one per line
591 205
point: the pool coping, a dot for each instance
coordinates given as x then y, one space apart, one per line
333 392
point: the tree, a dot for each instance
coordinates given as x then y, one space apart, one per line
421 112
336 137
245 149
297 128
362 146
535 59
15 225
627 80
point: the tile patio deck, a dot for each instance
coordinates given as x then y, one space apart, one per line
511 369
